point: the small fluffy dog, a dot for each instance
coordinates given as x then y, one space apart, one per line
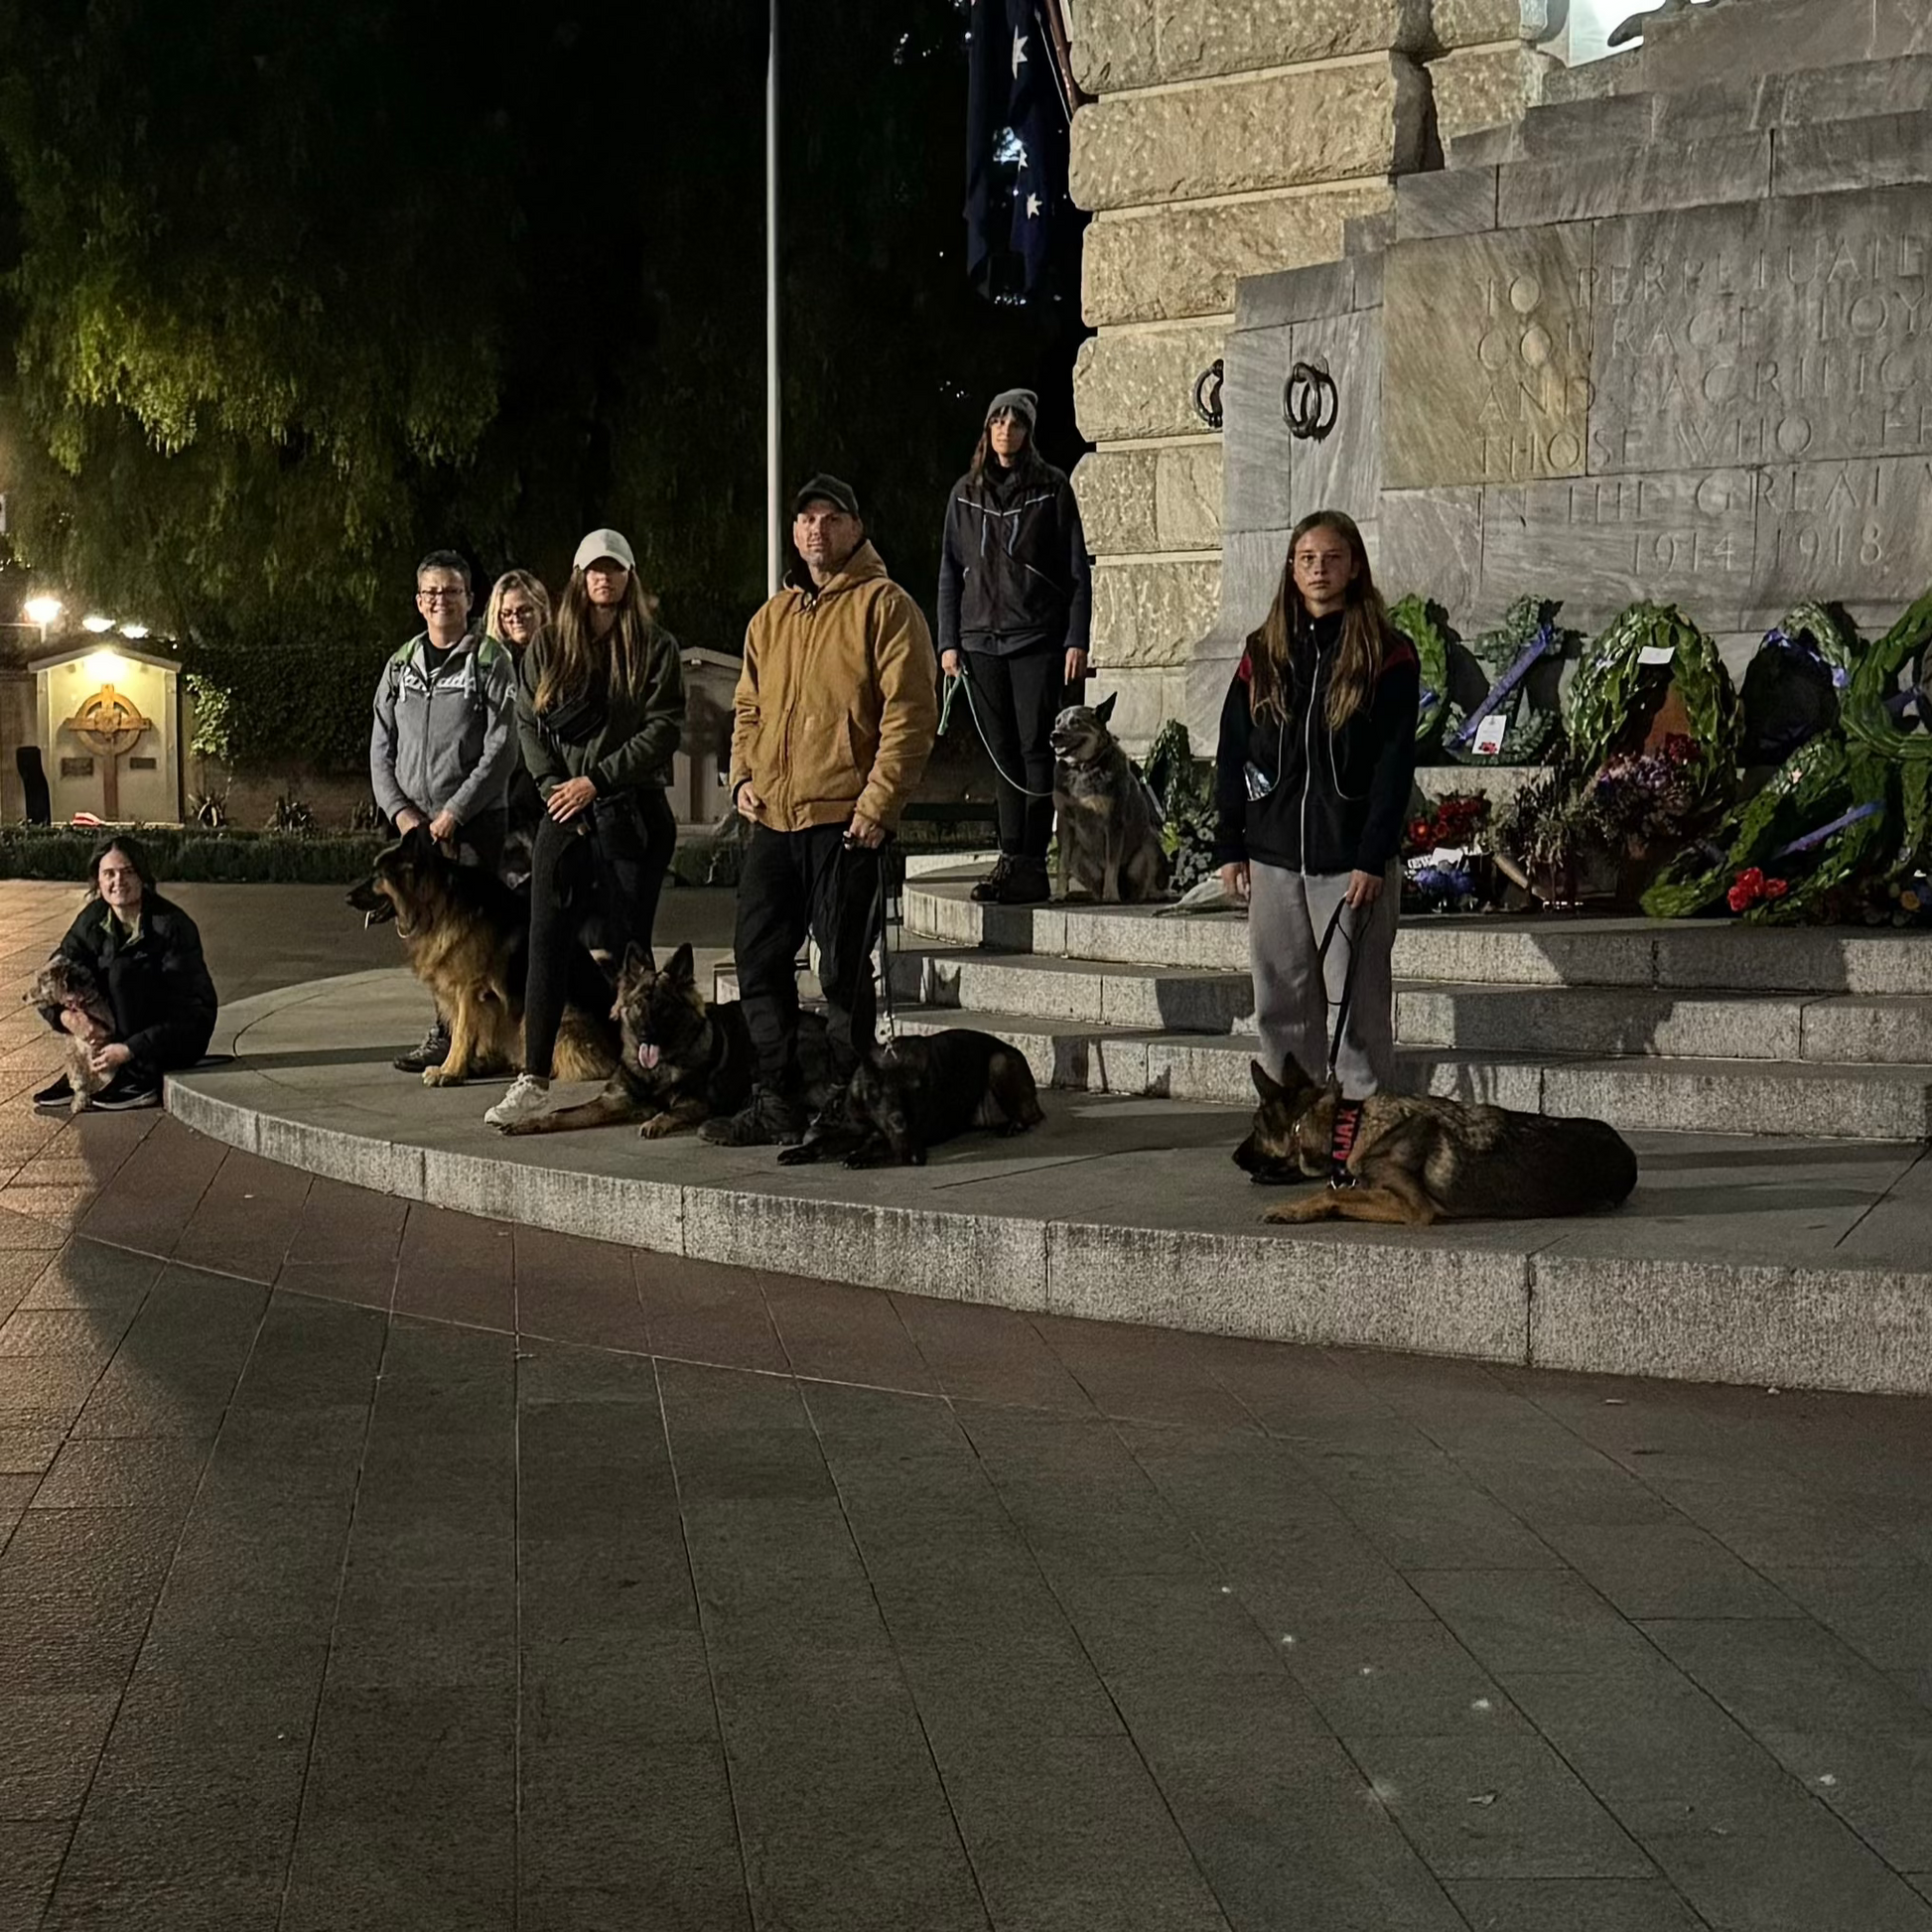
68 983
1107 820
1416 1161
904 1099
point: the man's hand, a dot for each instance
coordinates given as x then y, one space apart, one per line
107 1058
408 819
949 663
864 831
443 828
570 798
74 1021
1365 889
1236 879
748 801
1077 663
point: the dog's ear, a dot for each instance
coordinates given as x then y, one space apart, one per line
1105 710
682 965
636 962
1266 1087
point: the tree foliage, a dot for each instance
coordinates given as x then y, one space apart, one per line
294 293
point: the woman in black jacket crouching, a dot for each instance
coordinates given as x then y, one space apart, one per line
145 952
1016 598
1316 757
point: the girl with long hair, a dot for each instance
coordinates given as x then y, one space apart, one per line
600 710
1317 756
1016 597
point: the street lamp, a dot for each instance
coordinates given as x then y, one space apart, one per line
42 610
95 623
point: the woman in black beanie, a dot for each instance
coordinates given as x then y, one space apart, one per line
1016 598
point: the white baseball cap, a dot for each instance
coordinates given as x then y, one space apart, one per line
603 543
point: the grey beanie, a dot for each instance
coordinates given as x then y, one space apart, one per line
1022 402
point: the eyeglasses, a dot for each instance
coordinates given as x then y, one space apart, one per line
441 597
518 613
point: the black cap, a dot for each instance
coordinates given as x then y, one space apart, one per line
831 491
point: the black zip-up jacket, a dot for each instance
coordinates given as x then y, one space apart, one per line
1339 799
162 998
1012 564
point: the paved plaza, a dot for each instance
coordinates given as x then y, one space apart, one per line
364 1565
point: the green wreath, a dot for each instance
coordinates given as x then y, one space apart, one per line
1425 625
1615 673
1530 727
1818 786
1875 677
1827 633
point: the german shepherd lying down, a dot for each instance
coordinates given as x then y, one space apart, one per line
907 1097
1418 1160
466 936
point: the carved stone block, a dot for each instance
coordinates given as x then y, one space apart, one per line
1431 542
1486 87
1458 201
1487 358
1260 450
1582 189
1843 529
1323 289
1151 613
1344 470
1127 44
1130 384
1836 154
1115 491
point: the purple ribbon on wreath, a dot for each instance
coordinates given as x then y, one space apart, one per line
1824 831
1504 685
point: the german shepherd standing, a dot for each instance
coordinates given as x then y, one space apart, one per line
1418 1160
1106 819
907 1097
466 936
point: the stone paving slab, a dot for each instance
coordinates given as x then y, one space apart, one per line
1801 1263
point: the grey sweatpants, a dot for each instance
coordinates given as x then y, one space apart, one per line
1287 912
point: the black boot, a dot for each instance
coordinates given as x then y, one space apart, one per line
988 891
433 1050
767 1119
1024 884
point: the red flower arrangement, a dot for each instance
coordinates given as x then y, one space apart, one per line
1457 822
1752 886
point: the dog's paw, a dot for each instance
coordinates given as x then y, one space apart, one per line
800 1155
1294 1213
659 1126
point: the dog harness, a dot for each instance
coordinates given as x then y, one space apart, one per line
1341 1142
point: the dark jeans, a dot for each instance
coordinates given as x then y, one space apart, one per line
480 840
1016 699
140 996
610 865
796 883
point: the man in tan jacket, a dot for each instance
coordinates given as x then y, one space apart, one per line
837 706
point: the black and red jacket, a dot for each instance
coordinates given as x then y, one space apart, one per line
1339 799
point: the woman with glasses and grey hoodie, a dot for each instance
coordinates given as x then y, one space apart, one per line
1015 600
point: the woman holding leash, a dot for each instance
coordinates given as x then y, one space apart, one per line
1318 754
1016 597
145 954
599 709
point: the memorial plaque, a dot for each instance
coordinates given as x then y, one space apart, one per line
1602 542
1487 346
76 768
1862 531
1792 331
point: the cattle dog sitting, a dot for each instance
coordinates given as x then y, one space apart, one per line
1107 821
910 1095
466 936
1415 1160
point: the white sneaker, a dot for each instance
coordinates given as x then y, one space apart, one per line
527 1095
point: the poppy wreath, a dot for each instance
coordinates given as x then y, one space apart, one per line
1527 636
1425 625
1641 652
1873 704
1831 812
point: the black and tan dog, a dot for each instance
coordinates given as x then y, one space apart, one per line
1106 820
466 938
919 1091
1417 1161
684 1059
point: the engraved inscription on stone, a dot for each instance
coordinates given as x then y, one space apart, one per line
1601 542
1791 332
1858 530
1487 346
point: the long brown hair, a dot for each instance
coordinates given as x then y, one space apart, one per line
1365 632
1030 467
573 644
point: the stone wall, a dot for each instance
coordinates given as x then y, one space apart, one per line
1231 138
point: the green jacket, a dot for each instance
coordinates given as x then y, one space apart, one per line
640 734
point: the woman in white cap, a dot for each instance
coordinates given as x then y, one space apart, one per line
1016 597
599 709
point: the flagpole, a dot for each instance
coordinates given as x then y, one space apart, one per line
775 528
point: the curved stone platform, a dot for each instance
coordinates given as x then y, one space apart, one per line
1747 1261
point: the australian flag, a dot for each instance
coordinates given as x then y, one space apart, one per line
1018 215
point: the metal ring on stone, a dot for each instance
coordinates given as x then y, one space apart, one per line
1311 402
1207 394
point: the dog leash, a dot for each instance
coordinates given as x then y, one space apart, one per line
1348 1113
959 681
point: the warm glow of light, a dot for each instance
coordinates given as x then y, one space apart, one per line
135 631
96 623
43 610
105 666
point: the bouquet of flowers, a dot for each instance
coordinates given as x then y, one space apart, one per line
1640 800
1445 864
